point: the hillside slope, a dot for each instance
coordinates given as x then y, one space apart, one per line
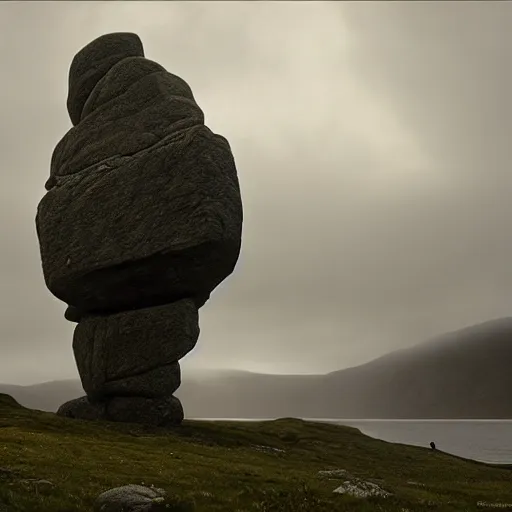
463 374
53 464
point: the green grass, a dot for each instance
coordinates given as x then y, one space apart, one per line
215 466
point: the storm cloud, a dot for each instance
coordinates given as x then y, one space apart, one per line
373 147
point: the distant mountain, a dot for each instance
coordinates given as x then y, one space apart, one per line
463 374
47 396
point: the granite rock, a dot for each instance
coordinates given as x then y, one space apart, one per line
143 204
82 408
93 62
159 382
141 221
158 412
110 351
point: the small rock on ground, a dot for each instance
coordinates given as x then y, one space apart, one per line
361 489
129 498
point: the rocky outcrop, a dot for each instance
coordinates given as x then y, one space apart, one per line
354 486
141 221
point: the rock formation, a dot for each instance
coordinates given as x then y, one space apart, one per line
141 220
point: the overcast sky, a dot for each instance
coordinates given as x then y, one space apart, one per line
373 145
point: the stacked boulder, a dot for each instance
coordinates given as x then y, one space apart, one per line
141 220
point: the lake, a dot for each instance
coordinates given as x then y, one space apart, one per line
483 440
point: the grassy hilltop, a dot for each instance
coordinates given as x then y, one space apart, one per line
53 464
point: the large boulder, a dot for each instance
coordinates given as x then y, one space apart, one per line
143 204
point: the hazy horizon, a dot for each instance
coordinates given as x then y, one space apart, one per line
372 145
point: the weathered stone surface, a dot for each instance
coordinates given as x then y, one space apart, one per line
81 408
160 382
129 498
158 412
143 204
93 62
115 347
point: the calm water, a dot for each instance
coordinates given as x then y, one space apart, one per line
483 440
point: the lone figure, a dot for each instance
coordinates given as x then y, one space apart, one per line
432 445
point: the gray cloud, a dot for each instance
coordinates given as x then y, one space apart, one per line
372 141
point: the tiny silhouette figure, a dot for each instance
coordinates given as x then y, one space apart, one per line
433 445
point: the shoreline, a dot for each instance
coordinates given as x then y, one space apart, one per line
346 422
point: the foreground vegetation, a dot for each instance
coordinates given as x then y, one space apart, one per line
48 463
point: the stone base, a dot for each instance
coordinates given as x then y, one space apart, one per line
157 412
81 408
